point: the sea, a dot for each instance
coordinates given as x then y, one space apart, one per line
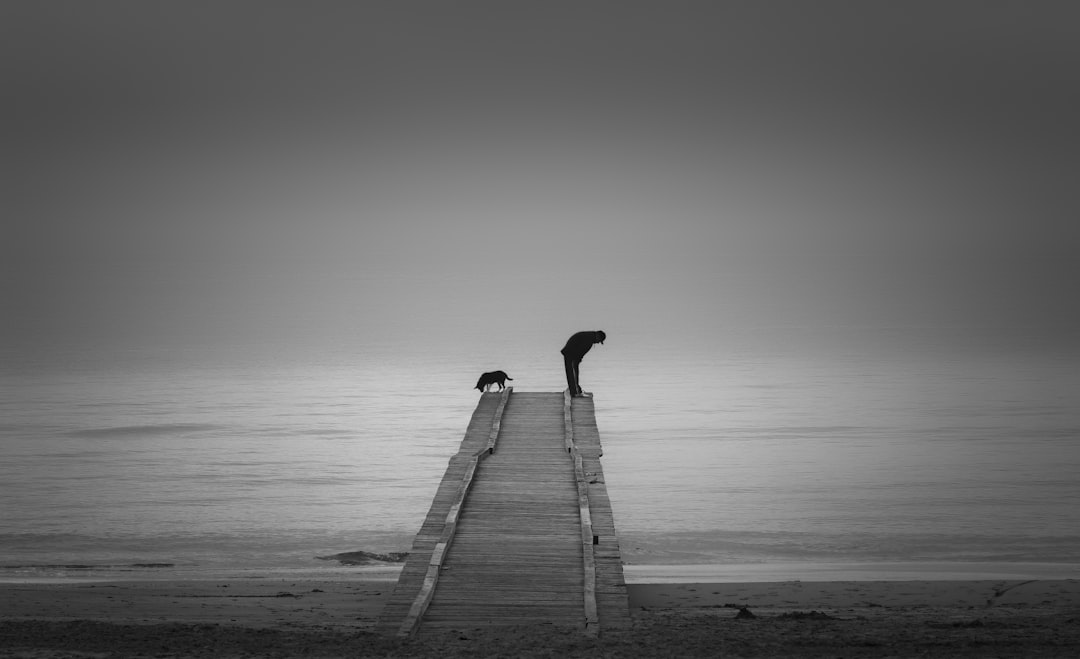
751 447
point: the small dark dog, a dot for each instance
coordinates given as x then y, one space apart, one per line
494 377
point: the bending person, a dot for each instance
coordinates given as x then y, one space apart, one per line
573 352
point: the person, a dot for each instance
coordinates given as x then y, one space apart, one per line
574 351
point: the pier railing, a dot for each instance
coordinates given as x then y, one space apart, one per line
592 620
438 555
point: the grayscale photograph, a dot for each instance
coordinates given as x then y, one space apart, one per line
595 328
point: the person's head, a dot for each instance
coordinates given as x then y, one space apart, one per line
600 336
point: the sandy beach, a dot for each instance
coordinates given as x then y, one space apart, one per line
282 617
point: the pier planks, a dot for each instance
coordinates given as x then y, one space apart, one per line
517 552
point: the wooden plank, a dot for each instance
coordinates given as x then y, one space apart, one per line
427 590
418 595
515 540
502 549
592 621
611 600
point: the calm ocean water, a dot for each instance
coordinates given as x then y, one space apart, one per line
751 446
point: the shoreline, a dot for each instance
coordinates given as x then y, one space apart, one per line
336 618
633 573
356 603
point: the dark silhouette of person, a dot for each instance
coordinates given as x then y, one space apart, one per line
574 351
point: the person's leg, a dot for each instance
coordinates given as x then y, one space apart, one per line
577 378
571 375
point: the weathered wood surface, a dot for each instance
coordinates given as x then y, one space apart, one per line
438 554
611 600
519 552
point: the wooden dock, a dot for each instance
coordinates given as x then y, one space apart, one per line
520 530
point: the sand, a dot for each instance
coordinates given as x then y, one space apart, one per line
267 617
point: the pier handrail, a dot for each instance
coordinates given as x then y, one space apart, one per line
438 554
592 620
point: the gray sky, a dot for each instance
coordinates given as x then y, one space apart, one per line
313 171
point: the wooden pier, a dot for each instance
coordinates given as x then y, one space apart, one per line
520 531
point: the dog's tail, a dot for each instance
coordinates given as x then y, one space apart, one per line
509 378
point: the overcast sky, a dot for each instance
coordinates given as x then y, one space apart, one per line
212 169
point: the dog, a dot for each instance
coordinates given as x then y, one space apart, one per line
494 377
